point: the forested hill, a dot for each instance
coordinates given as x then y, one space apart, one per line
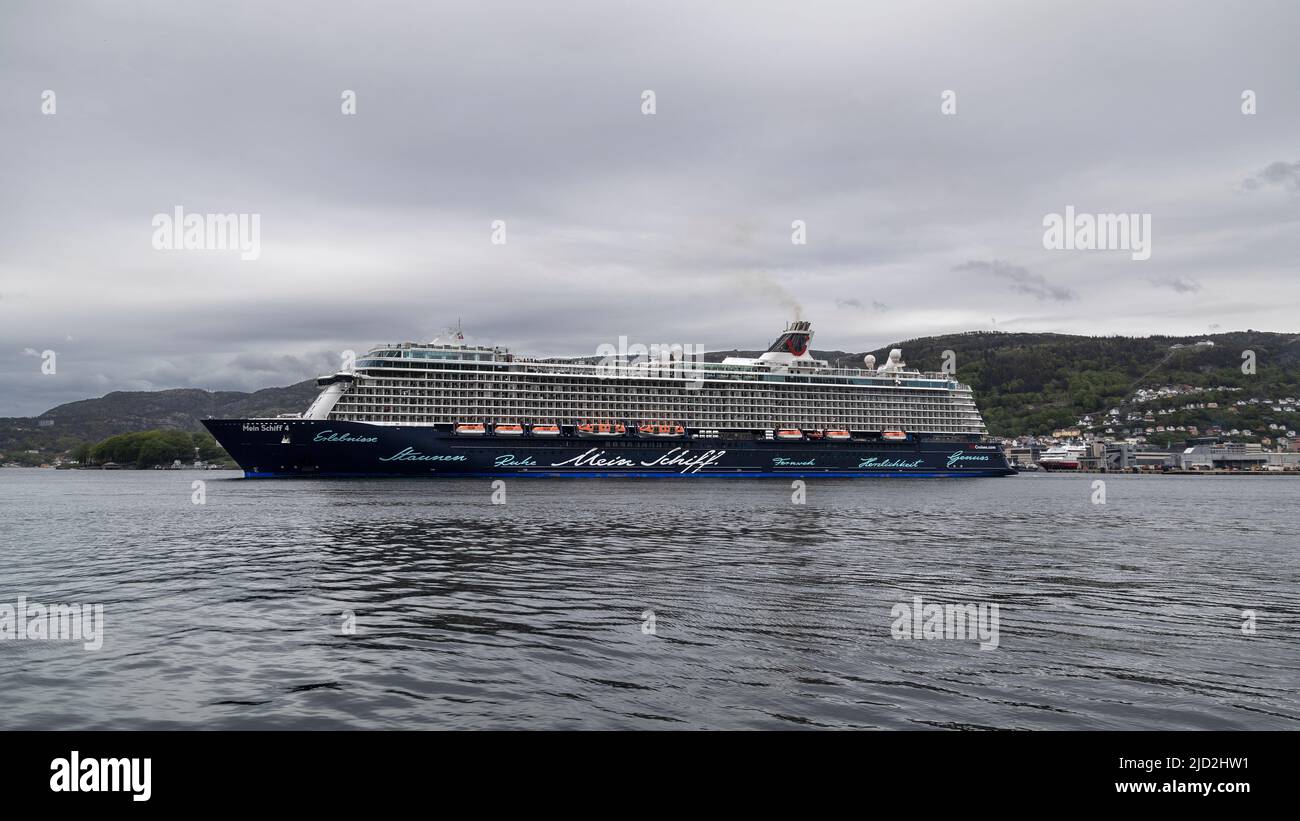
61 429
1035 383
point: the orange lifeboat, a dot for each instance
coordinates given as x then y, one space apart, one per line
661 430
546 430
471 429
838 435
508 430
894 435
601 429
789 433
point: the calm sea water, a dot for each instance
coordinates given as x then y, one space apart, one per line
766 614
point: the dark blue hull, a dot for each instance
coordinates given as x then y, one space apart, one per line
305 447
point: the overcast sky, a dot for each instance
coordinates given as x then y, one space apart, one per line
673 227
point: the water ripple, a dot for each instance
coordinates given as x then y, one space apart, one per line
236 614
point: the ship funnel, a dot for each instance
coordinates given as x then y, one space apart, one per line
793 341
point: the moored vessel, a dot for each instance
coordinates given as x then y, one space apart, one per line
1062 457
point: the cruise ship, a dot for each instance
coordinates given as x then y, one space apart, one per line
448 408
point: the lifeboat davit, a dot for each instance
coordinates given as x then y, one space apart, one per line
601 429
471 429
894 435
789 433
508 430
546 430
838 435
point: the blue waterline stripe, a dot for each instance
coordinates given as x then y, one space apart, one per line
632 475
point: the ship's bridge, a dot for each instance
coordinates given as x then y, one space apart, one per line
382 355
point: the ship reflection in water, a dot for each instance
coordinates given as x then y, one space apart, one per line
643 604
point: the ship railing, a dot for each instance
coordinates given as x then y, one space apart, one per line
693 371
710 370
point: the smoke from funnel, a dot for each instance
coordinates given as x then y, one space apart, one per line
765 286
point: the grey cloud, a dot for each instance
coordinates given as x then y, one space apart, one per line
1022 281
853 302
1283 174
304 366
1183 285
375 227
763 285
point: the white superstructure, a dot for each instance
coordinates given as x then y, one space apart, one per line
412 384
1063 454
